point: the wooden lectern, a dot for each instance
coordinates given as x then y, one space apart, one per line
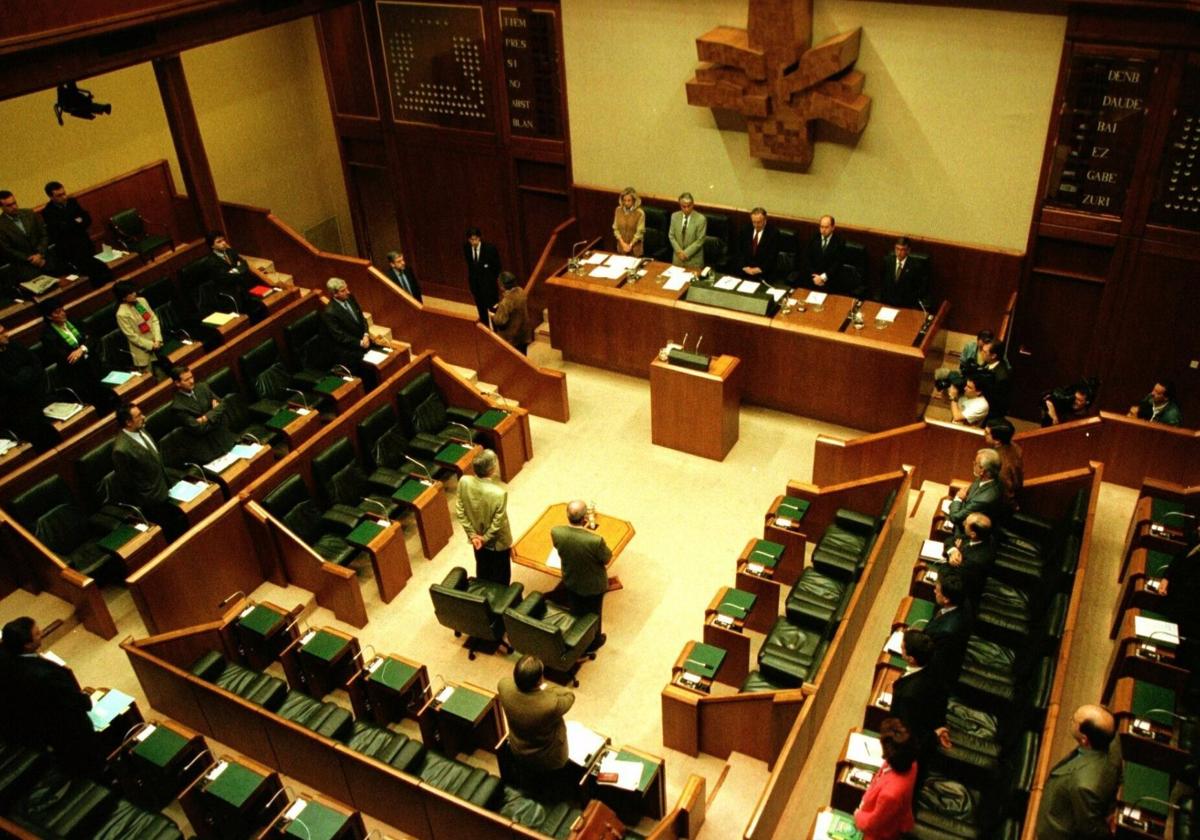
696 411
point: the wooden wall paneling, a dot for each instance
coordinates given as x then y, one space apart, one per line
304 755
373 203
385 793
949 451
451 818
836 461
541 211
736 723
349 75
234 721
169 693
335 587
1134 449
504 367
772 802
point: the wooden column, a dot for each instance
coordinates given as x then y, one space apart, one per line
189 145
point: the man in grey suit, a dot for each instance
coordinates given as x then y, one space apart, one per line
141 478
983 495
1081 789
537 734
202 415
24 242
584 557
688 227
481 507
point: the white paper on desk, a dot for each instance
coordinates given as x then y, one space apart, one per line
117 377
623 262
822 825
887 314
629 773
816 298
6 445
727 283
893 643
553 561
583 743
185 491
219 319
1156 630
596 258
777 293
246 450
374 357
864 750
677 271
107 708
607 272
219 465
674 284
444 694
945 508
748 287
933 551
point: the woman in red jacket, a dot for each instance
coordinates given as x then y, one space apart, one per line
886 810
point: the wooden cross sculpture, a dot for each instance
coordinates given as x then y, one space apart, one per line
771 74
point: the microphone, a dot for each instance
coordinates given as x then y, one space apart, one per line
575 248
698 340
200 469
275 796
362 657
9 434
345 370
181 331
683 343
1168 712
136 510
252 437
232 300
384 521
300 394
921 304
421 467
467 440
71 391
229 599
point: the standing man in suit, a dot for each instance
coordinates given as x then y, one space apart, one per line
202 416
78 366
481 507
537 734
982 495
950 627
973 553
344 324
758 248
24 242
400 274
687 231
23 392
231 275
67 224
1081 789
141 477
919 695
483 270
823 257
584 558
903 282
46 705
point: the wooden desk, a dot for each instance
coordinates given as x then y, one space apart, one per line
343 390
314 817
729 637
63 429
278 297
427 500
852 777
704 680
134 386
395 353
208 500
881 690
243 471
533 548
1151 661
298 429
321 660
389 554
797 362
20 454
468 720
695 411
231 799
501 430
157 763
189 349
263 631
230 328
389 688
783 527
141 548
1146 726
756 573
650 797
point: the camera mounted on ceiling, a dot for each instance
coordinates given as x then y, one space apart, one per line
78 103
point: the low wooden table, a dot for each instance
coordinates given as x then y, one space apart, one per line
695 411
533 548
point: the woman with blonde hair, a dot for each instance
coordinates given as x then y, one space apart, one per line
629 223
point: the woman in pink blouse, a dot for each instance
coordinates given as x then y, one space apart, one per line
886 810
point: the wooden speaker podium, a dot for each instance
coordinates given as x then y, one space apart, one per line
696 411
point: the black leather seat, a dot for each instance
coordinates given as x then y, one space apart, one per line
237 408
345 485
384 446
273 383
254 686
472 606
50 513
818 601
291 505
843 549
427 419
322 717
310 348
551 633
473 784
553 820
384 745
790 654
94 478
758 681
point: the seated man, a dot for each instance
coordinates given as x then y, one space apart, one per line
1159 405
78 366
823 258
24 242
968 405
537 735
67 224
400 274
584 558
344 324
232 276
982 495
758 248
141 477
1062 405
46 708
202 415
23 392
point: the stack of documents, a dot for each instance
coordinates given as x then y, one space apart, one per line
219 465
184 491
118 377
553 561
1156 630
219 319
62 410
623 262
933 551
106 709
607 272
6 445
583 743
374 357
629 773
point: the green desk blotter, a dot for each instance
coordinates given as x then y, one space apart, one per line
324 645
261 620
393 673
409 491
235 785
766 553
282 419
316 822
118 536
1140 781
451 453
704 660
329 384
648 768
793 508
737 603
1147 696
841 827
490 419
364 532
160 746
466 704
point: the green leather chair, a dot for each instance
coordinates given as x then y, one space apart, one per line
322 717
254 686
345 485
553 820
50 512
427 419
552 634
818 601
385 447
291 505
472 784
237 408
843 549
309 347
791 654
392 748
474 607
130 228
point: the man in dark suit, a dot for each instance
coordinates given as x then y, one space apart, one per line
24 242
904 282
584 558
1081 789
76 355
202 416
23 392
983 495
400 274
483 270
141 477
231 275
973 553
950 627
344 324
537 734
823 258
45 706
758 248
918 696
67 224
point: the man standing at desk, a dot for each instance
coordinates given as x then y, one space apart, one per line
344 324
481 506
202 416
584 557
823 258
904 282
688 227
483 269
140 474
537 734
758 248
67 224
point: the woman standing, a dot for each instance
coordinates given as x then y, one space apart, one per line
886 810
139 325
629 223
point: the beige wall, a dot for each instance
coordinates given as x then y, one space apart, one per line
261 104
960 105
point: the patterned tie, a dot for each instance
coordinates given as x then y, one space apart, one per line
683 230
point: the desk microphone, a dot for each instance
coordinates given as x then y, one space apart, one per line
698 340
300 394
252 437
136 510
345 370
384 521
420 466
229 599
199 469
232 300
467 440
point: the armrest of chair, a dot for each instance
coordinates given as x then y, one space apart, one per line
500 600
580 628
531 604
466 416
852 520
343 517
456 579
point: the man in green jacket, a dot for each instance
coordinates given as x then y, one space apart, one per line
537 734
482 510
584 557
1081 789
